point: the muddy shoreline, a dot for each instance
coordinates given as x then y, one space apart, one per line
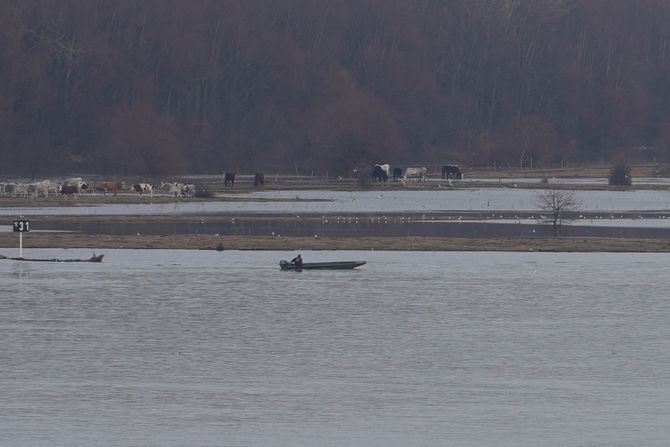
211 242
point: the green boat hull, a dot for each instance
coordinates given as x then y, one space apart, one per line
339 265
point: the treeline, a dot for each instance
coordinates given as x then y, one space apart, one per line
174 86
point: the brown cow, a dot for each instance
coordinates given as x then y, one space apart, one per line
105 187
70 189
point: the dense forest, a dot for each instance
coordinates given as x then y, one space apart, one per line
154 87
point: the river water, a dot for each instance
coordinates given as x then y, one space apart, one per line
204 348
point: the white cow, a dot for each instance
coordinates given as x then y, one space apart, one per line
39 188
142 188
55 188
72 181
18 189
75 181
175 189
7 189
416 172
188 190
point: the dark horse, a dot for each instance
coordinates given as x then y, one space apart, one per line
229 179
452 171
259 180
378 174
397 173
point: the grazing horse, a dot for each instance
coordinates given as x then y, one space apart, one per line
452 171
259 180
386 168
229 179
397 173
416 172
379 174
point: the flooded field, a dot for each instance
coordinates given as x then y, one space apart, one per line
476 213
380 201
180 347
353 227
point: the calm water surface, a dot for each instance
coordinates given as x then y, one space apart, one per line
201 348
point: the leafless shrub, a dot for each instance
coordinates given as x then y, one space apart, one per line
559 204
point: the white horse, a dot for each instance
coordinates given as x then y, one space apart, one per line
416 172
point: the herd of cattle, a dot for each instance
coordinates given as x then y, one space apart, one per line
76 185
43 188
381 173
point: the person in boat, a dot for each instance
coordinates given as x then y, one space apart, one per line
297 261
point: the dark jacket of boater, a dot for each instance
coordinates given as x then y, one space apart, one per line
297 261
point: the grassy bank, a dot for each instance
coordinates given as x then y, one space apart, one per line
50 240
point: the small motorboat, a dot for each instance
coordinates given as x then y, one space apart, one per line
336 265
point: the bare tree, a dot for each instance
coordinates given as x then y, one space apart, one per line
558 204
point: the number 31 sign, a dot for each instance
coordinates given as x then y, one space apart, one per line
21 226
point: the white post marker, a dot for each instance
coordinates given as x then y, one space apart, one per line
21 226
